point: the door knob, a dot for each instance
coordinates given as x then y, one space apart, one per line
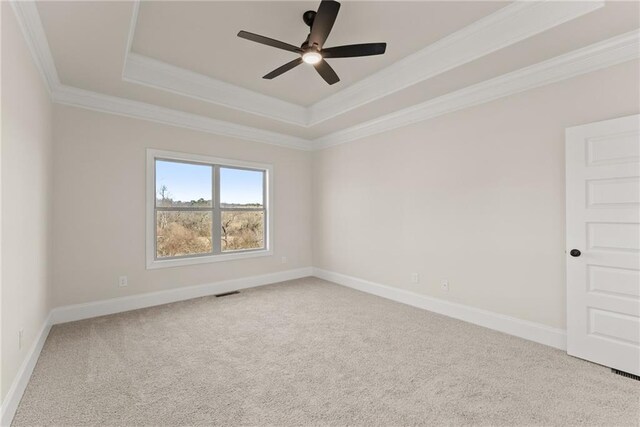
575 253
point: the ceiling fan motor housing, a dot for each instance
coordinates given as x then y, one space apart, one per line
308 17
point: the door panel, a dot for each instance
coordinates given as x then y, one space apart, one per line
623 282
613 236
614 148
603 223
613 192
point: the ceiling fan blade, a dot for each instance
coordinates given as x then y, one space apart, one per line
352 50
327 73
281 70
323 22
269 42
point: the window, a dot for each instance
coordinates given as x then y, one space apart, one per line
203 209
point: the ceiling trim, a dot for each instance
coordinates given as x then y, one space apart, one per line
160 75
75 97
132 29
146 71
509 25
29 21
36 39
600 55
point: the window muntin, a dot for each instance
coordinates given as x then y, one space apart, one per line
206 211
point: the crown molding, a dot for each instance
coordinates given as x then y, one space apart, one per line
81 98
135 11
29 21
509 25
142 70
607 53
160 75
613 51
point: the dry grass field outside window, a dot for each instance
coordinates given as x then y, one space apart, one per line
182 233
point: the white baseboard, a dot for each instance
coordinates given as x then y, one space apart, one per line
70 313
532 331
19 385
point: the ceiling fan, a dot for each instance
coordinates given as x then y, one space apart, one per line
312 50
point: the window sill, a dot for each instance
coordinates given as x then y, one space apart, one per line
179 262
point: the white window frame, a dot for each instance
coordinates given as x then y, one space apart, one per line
152 261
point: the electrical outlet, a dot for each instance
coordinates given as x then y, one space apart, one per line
284 260
123 281
20 336
444 285
415 278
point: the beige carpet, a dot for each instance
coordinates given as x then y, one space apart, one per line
308 352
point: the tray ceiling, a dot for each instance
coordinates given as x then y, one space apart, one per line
185 56
201 37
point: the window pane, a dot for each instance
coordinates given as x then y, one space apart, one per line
183 233
183 184
242 230
241 188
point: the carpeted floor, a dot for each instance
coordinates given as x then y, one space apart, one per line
308 352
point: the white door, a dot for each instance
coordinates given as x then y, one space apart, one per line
603 243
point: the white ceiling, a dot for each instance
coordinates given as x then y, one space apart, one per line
201 36
90 41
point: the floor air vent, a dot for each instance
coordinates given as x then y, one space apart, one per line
227 294
626 374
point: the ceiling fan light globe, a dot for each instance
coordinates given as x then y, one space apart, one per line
311 57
